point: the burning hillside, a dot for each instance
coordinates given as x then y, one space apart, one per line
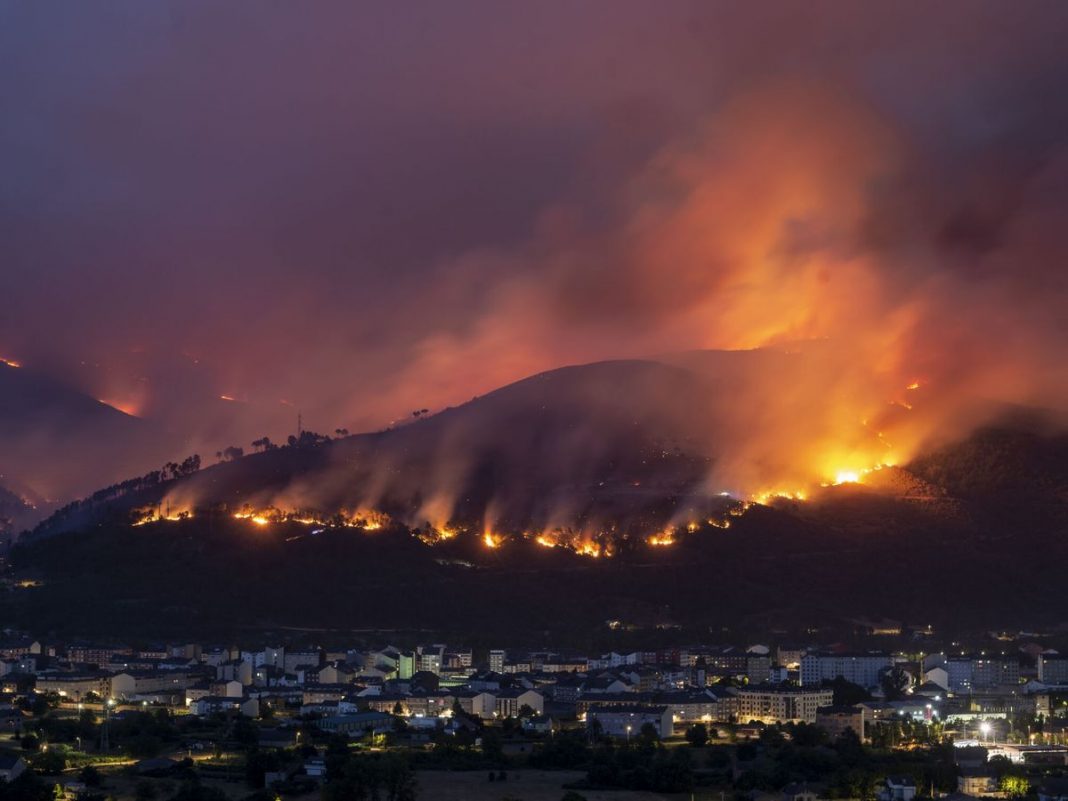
594 460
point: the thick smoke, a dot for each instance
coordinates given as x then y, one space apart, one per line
361 211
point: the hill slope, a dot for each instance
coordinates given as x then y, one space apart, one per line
508 497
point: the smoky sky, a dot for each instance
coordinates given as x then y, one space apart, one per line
364 208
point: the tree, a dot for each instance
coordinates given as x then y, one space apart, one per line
145 790
244 731
230 454
1014 786
894 681
697 735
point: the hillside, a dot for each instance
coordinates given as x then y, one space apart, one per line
45 423
495 511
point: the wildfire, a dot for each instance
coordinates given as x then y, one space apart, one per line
10 363
767 496
367 520
492 540
664 538
154 514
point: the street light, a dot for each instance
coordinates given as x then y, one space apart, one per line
628 732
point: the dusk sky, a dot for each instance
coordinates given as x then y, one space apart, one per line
362 208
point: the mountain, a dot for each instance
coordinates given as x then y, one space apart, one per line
60 441
505 510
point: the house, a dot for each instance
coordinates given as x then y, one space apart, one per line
539 724
315 768
898 788
11 766
977 783
209 705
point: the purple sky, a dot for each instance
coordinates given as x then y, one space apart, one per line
364 208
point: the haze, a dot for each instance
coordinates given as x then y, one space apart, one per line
356 210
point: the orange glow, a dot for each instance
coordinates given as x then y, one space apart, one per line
228 398
156 514
10 362
492 540
127 409
662 539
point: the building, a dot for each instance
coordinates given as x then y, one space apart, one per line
496 660
360 723
898 788
969 673
510 701
1053 669
74 685
780 704
836 720
210 704
627 721
133 683
977 783
863 669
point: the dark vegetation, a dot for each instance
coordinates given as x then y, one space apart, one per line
567 439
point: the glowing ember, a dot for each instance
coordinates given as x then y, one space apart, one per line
492 540
154 514
10 362
664 538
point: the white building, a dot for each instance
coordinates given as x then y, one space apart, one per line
863 669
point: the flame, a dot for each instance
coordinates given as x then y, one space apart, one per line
492 540
767 496
155 514
847 477
10 363
662 539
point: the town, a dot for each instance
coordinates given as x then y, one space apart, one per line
918 718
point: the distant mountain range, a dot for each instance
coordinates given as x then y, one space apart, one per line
494 511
